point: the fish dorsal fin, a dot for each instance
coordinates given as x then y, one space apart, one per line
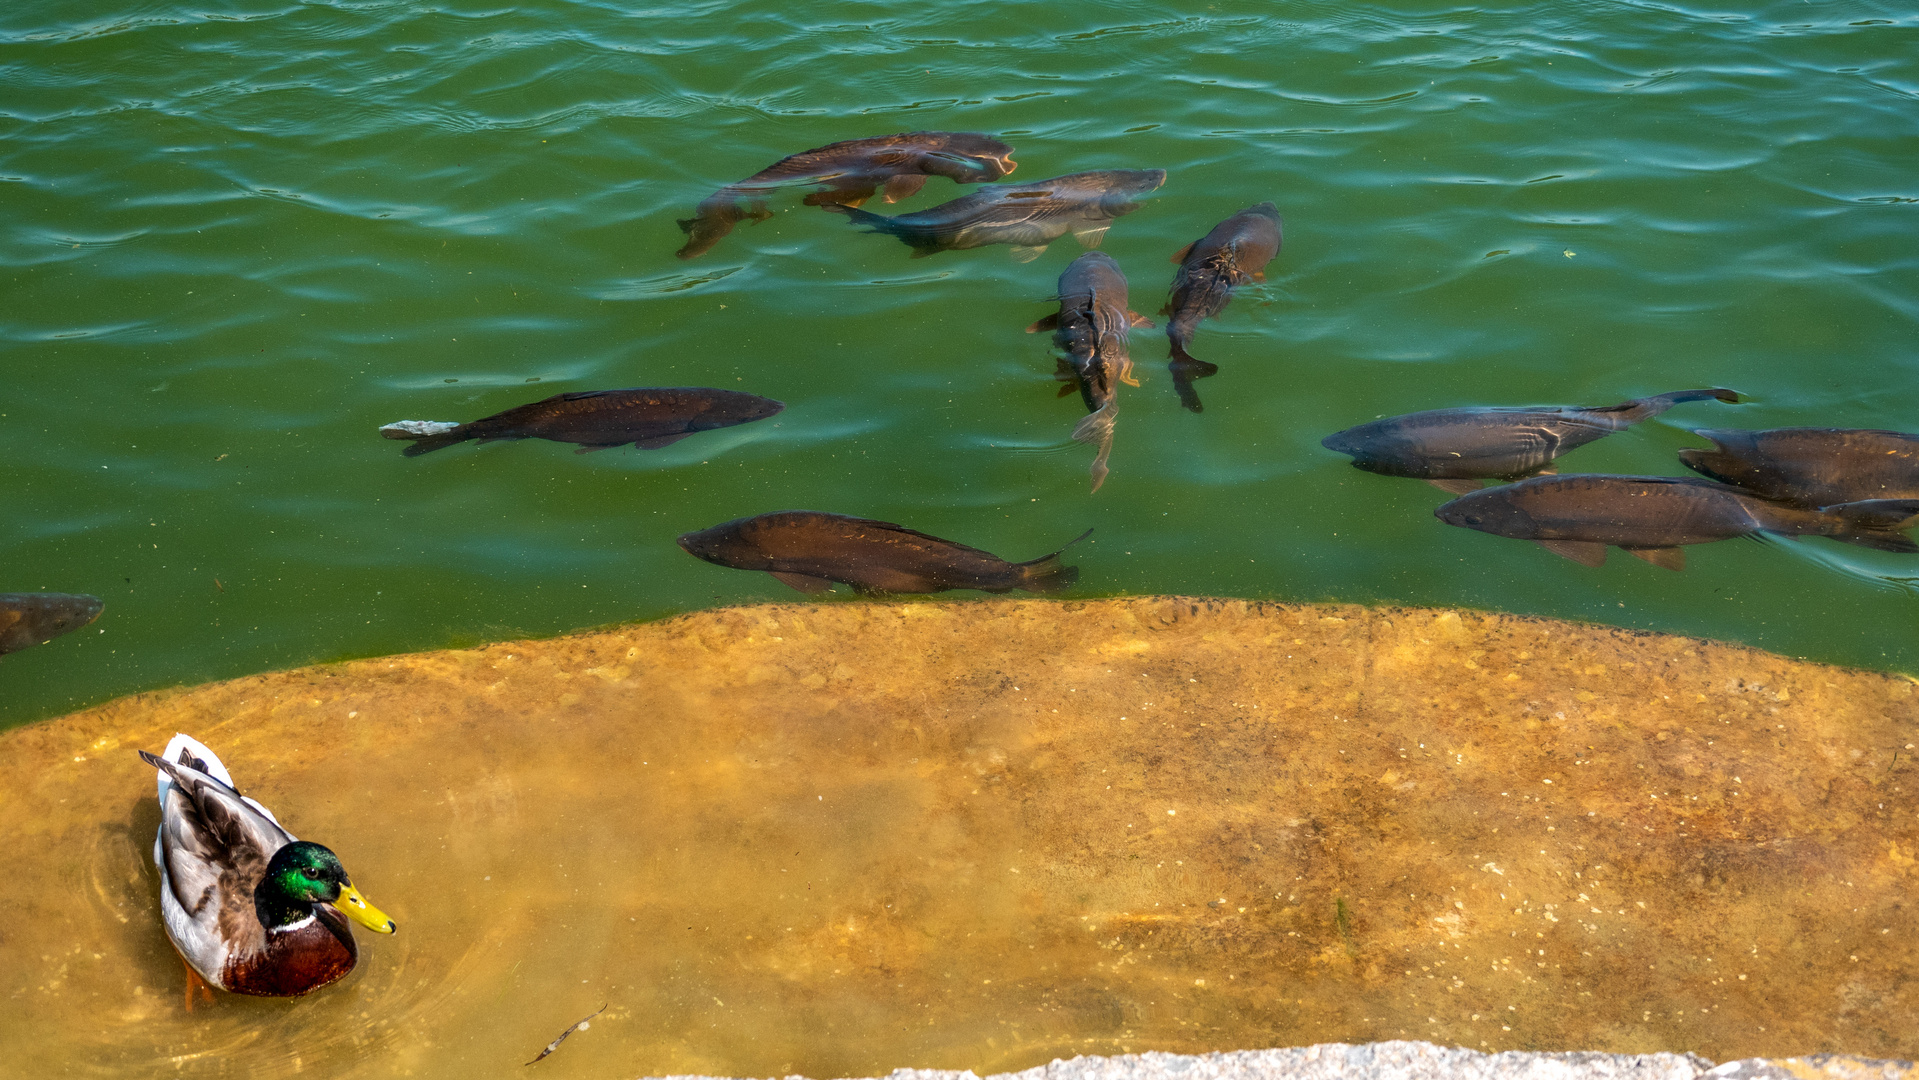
1671 558
904 186
1023 253
1138 320
1583 552
1180 255
805 583
1050 322
1457 485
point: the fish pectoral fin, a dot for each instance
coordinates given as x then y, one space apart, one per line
1136 319
654 442
1456 486
1071 386
1126 374
1050 322
904 186
805 583
1259 276
1583 552
1091 235
1671 558
1023 253
1180 255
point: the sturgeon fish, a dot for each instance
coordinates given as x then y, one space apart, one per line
1027 216
811 550
649 418
1091 327
29 619
1811 466
1655 517
1210 268
849 173
1454 449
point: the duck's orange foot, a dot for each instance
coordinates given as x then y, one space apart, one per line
195 982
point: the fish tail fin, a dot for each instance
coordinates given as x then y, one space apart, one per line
702 233
1045 574
1186 368
1097 425
1627 413
426 444
1876 523
877 222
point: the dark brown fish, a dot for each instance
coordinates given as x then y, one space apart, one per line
1454 449
1811 466
849 173
1210 268
810 550
29 619
649 418
1653 517
1091 326
1027 216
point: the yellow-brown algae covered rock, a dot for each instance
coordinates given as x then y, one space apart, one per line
839 839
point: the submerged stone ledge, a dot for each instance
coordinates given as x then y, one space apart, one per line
835 839
1401 1060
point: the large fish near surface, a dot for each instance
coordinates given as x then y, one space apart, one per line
29 619
1027 216
810 550
1811 466
649 418
1654 517
849 173
1091 327
1210 268
1455 449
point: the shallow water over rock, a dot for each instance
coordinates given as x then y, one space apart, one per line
839 839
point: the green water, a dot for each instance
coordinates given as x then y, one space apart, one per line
240 236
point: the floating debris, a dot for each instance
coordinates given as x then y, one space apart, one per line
581 1025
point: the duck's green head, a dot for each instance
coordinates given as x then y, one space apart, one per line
303 874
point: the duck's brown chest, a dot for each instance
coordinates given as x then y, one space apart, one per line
295 961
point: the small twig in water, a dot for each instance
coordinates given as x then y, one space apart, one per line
581 1025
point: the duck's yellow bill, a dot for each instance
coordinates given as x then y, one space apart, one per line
355 907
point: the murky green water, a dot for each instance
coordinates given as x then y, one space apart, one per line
240 236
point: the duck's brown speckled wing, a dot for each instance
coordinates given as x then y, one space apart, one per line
213 841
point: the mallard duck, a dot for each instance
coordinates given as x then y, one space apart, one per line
251 909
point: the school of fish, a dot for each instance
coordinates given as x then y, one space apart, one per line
1855 486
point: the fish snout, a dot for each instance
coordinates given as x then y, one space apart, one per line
1488 511
1453 514
1341 442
